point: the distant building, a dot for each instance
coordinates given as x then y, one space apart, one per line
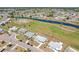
76 18
55 46
60 18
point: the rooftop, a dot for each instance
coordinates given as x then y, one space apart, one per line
29 34
13 28
1 30
56 46
22 30
40 39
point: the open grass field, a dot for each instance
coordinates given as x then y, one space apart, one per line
70 38
51 30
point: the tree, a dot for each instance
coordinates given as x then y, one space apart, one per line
50 14
2 42
12 15
30 16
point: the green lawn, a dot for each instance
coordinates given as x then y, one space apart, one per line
71 38
69 35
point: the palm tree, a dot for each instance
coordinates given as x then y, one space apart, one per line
11 15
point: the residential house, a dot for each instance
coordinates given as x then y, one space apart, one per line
55 46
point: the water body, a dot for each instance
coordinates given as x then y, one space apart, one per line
52 21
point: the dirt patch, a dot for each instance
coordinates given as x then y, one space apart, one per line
67 28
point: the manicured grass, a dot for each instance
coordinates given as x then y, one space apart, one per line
69 35
71 38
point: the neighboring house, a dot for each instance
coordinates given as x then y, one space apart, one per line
60 18
55 46
1 31
69 49
37 38
14 28
22 30
76 18
29 34
4 21
40 39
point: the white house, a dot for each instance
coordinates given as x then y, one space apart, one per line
14 28
55 46
1 30
29 34
40 39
